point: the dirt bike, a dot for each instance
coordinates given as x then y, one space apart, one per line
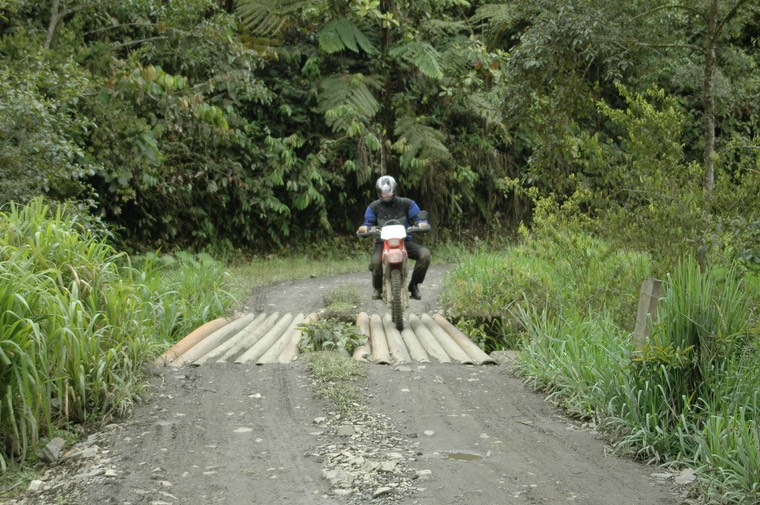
395 261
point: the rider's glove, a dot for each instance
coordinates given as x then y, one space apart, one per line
362 229
423 225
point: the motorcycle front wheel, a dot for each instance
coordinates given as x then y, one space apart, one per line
397 312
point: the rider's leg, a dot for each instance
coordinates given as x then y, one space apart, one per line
421 257
376 267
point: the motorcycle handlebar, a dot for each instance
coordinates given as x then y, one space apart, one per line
417 229
375 231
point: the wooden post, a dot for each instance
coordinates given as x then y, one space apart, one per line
648 298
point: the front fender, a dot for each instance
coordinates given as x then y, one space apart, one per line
395 256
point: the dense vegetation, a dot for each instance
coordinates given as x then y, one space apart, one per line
255 123
614 140
689 396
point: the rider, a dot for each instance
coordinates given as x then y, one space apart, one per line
387 207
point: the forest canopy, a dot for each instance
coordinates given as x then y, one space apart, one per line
254 123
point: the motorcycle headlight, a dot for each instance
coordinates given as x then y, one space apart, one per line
394 242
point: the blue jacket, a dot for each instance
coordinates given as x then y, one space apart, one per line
404 210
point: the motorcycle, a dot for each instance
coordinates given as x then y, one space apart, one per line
395 261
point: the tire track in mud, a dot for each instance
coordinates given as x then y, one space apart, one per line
490 440
231 434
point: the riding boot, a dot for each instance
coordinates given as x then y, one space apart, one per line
414 291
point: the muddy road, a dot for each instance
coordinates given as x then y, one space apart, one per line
429 434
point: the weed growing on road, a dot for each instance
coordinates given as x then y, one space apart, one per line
333 374
343 300
330 334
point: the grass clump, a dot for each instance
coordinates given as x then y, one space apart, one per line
342 302
78 320
333 374
689 396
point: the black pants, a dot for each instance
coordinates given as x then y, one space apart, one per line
416 252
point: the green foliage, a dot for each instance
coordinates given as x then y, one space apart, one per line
262 17
564 272
42 134
482 333
423 56
341 33
577 359
377 82
348 103
330 335
343 300
702 326
74 327
729 456
333 375
190 289
78 321
653 200
420 145
670 400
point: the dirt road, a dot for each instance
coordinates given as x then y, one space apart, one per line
429 434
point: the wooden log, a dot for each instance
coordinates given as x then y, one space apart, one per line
468 346
292 349
260 347
448 344
649 295
232 341
380 353
416 351
363 352
190 340
212 340
428 341
250 336
396 346
272 355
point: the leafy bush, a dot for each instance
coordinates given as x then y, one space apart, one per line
41 151
330 335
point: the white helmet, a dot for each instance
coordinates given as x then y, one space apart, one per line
386 188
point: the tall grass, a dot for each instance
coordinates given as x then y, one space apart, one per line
576 359
77 323
568 271
689 396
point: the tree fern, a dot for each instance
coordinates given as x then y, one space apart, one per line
418 143
346 100
443 27
486 106
267 17
496 18
342 33
422 55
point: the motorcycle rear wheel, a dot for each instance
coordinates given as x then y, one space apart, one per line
397 313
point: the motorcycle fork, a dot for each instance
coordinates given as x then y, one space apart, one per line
395 258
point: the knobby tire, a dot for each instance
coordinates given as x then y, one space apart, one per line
397 312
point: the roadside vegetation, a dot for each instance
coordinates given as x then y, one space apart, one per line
79 320
204 147
686 397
